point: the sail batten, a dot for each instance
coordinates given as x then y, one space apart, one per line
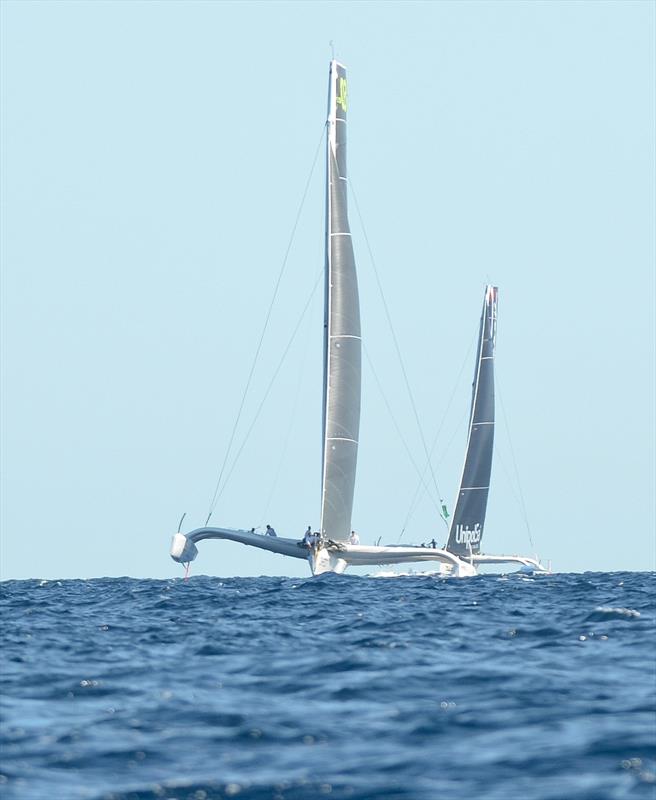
468 518
342 343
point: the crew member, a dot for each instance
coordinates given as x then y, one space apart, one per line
269 531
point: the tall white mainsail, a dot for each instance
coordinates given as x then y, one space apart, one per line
342 342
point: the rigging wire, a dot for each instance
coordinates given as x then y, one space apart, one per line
514 462
216 494
511 482
290 426
396 343
272 381
466 412
417 496
398 430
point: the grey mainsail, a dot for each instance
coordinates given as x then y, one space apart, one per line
342 343
469 515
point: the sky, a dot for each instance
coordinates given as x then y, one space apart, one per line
154 160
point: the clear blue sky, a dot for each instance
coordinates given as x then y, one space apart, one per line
153 159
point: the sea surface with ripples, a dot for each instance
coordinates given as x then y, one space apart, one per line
539 688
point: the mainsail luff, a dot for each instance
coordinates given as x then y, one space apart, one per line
469 516
342 343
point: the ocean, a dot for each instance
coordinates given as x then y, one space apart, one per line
422 687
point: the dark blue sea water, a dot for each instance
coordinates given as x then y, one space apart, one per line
338 686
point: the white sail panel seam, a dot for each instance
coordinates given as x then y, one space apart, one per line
472 488
340 439
340 234
351 336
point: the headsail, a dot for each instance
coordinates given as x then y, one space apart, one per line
469 515
342 344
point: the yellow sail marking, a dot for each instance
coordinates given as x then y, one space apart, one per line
342 96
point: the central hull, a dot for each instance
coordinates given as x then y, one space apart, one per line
323 560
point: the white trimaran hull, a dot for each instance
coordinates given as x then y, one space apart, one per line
336 557
332 550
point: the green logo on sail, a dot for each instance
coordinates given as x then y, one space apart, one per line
341 97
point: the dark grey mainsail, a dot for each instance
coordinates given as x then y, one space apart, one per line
342 344
469 515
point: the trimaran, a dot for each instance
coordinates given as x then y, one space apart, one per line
332 550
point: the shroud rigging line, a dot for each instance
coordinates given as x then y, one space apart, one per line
290 426
416 497
398 430
396 344
216 494
514 462
271 382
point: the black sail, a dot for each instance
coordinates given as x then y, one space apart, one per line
468 519
342 343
